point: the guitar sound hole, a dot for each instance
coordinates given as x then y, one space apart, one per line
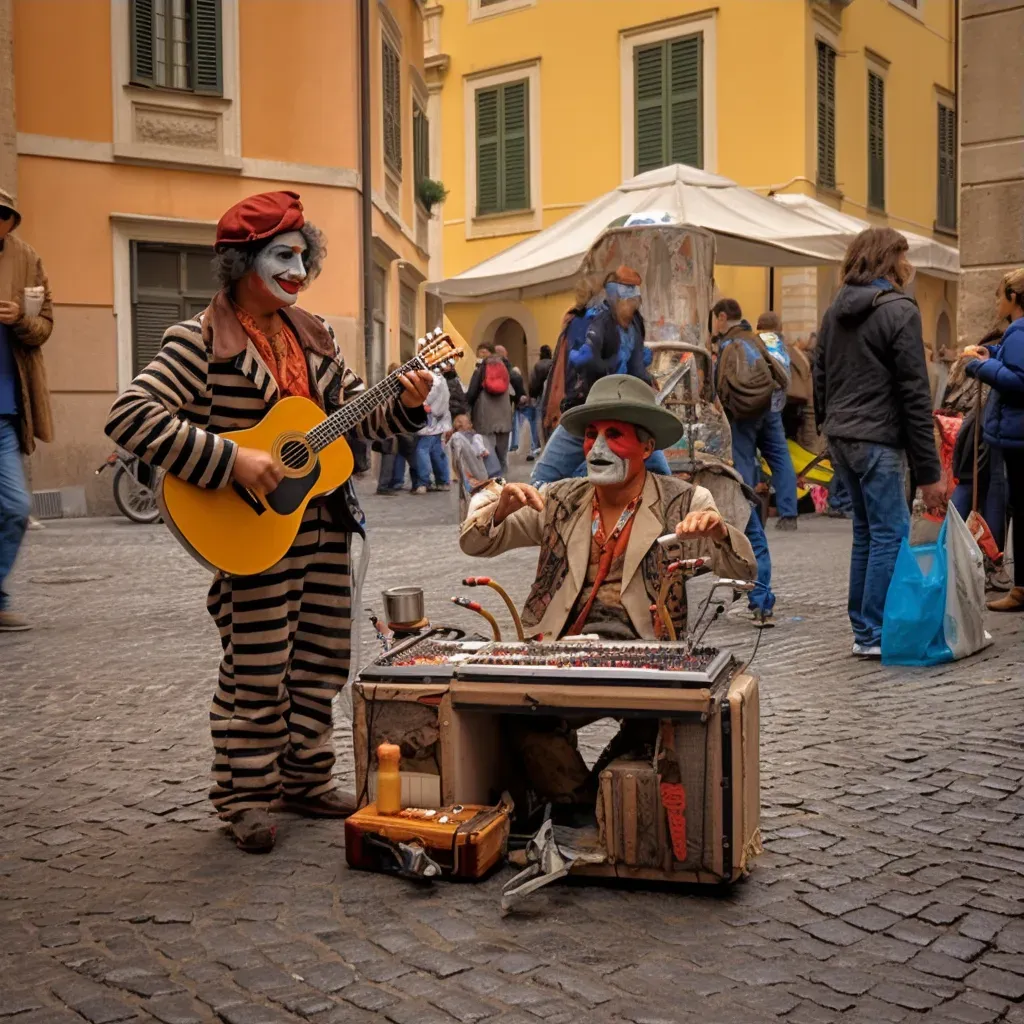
294 454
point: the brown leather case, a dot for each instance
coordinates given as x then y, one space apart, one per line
467 846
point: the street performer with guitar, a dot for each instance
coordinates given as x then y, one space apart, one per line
250 358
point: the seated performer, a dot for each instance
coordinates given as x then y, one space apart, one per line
285 632
599 569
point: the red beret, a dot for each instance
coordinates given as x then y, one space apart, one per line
259 217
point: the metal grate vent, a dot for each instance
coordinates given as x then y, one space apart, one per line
47 505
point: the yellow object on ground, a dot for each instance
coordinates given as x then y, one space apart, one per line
820 474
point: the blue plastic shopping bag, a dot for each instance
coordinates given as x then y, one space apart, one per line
913 629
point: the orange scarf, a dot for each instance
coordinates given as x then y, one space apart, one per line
610 547
282 354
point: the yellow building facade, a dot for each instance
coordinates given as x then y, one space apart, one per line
138 122
542 105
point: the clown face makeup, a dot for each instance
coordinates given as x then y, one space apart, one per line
614 452
281 267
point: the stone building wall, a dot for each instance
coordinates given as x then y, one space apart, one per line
991 155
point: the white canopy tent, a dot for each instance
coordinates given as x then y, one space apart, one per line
927 255
750 231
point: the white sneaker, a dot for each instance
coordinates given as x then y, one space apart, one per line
419 490
863 651
34 524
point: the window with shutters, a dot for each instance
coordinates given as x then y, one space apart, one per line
826 115
170 283
420 146
176 44
668 94
391 92
503 148
946 208
406 322
876 141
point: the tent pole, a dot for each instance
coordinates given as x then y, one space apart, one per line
771 289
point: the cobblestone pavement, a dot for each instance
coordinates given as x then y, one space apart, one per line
891 888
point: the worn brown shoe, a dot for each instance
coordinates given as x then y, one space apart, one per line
253 830
1013 602
336 803
11 623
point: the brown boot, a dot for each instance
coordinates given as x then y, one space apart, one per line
335 803
1013 602
253 830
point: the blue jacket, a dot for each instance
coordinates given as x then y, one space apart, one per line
1004 372
594 342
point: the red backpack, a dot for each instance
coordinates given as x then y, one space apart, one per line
496 379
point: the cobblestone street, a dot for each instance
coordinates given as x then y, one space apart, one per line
891 887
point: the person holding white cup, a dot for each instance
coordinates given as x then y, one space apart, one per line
26 320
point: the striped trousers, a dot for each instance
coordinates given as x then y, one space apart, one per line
285 634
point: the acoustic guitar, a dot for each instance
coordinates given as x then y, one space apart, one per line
241 531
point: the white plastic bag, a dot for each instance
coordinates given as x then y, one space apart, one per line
964 623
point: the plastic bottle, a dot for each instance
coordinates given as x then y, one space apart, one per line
389 782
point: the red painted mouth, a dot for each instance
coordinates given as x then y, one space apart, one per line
286 285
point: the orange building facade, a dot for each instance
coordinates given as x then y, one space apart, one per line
138 122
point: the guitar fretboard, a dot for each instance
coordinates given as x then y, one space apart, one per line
352 413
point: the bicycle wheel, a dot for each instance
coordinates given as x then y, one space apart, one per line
136 502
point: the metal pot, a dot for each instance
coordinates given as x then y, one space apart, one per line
404 604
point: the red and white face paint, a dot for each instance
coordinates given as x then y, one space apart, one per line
281 268
613 451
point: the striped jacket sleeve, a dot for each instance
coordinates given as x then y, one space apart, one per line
386 420
148 422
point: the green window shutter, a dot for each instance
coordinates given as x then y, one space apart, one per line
488 197
207 74
826 116
515 161
392 97
151 320
420 144
142 41
946 211
876 141
685 101
649 92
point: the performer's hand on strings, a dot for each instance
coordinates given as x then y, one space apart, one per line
417 386
257 470
513 497
702 524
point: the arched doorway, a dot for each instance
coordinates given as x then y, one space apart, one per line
512 335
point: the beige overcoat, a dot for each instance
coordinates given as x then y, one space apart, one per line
562 532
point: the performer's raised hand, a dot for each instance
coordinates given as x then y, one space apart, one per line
707 523
416 386
513 497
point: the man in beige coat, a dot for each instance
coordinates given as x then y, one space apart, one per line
600 568
26 320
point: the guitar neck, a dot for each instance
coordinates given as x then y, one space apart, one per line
352 413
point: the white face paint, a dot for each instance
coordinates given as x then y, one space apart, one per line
281 266
604 467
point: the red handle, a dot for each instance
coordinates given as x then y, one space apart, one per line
476 581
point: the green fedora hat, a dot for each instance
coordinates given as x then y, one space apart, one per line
622 397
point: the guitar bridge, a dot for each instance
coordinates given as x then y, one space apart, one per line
249 498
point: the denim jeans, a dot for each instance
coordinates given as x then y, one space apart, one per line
15 503
514 440
875 476
563 458
838 495
532 416
762 599
430 456
991 501
767 433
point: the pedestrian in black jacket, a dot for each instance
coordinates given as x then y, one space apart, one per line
872 399
532 411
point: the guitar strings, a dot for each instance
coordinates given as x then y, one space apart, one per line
359 408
